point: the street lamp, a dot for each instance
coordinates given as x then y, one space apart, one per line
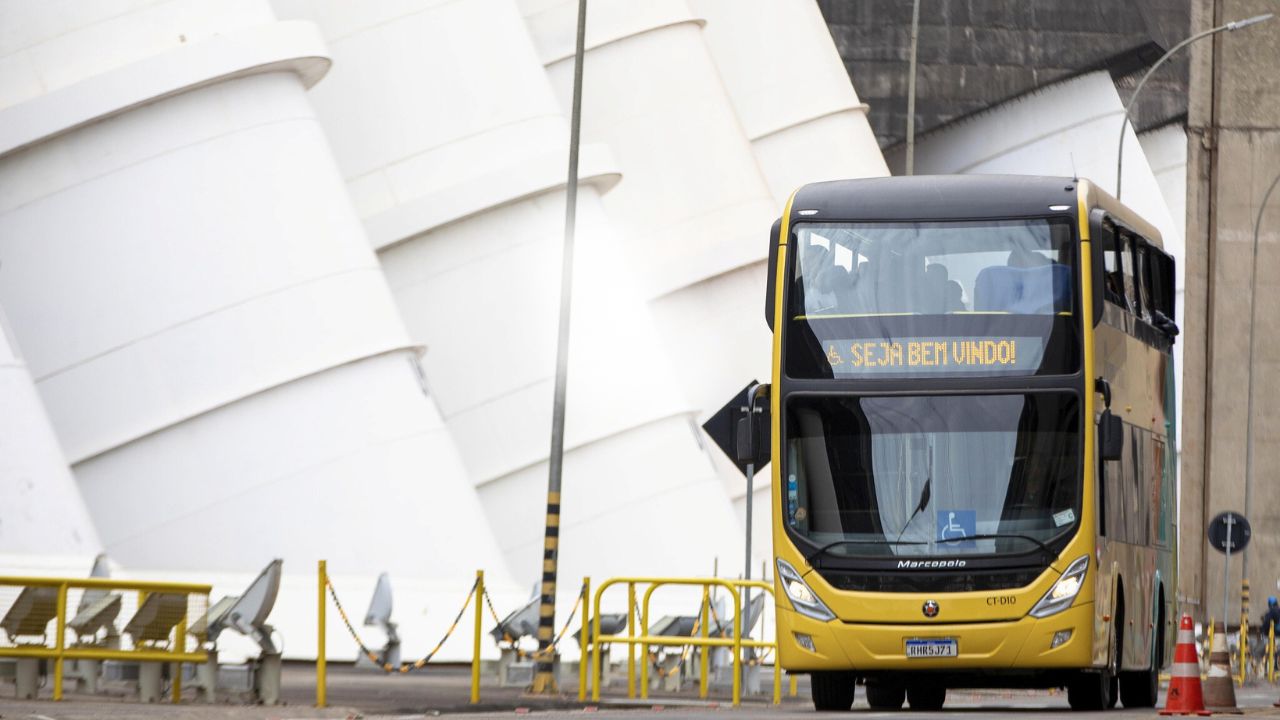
1235 25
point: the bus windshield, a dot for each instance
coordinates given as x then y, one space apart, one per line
963 298
919 475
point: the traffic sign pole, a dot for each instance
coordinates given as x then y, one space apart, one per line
1226 532
1230 520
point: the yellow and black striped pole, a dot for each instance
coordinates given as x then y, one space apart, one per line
544 680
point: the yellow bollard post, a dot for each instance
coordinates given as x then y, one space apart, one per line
631 646
583 678
1271 654
1209 643
61 640
704 651
475 646
795 686
595 647
323 581
180 645
737 647
644 649
777 680
1244 644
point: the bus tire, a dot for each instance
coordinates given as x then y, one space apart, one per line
1098 690
885 695
927 697
832 690
1091 691
1140 689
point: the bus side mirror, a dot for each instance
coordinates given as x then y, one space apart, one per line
1097 263
1110 436
770 273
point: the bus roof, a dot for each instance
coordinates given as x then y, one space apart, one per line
933 197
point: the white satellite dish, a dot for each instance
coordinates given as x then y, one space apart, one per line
247 614
98 608
519 624
379 613
379 616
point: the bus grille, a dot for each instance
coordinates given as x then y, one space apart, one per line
934 581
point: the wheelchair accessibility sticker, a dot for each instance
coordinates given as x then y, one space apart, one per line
956 524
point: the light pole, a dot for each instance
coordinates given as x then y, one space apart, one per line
1248 423
911 90
1234 25
544 682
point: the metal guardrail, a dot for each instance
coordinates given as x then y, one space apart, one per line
702 640
60 652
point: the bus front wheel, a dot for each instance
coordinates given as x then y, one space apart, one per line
885 694
1099 690
1092 691
832 690
927 697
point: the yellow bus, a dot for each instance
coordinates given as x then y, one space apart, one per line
972 413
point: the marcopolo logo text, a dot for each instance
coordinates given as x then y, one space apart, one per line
929 564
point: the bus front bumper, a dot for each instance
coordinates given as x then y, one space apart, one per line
1025 643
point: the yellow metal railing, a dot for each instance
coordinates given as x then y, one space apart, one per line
325 586
701 640
59 653
1271 653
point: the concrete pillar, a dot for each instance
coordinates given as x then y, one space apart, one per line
802 117
1233 155
43 514
209 331
454 149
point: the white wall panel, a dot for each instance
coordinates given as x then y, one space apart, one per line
453 145
791 92
43 513
207 324
692 201
1072 127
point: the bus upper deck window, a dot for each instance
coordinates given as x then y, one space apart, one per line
1114 276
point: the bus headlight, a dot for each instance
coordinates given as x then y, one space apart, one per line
1064 591
802 597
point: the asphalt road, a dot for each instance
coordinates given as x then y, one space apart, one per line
445 691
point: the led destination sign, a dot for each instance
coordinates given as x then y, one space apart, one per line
935 356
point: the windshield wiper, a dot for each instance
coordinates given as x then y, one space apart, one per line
996 536
823 550
925 493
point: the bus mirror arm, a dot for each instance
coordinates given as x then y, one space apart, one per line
1110 426
1101 385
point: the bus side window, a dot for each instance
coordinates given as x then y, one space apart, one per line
1160 270
1146 290
1138 500
1113 278
1127 260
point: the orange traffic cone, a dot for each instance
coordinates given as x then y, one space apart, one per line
1185 696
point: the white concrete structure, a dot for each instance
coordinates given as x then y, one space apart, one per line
792 97
1067 128
466 209
44 515
689 96
286 273
790 91
210 333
